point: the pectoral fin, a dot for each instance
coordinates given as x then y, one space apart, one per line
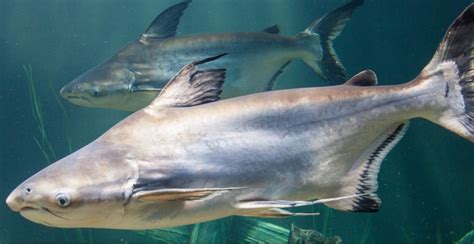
191 86
273 209
180 194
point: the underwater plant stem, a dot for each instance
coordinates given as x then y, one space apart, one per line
79 236
439 239
407 236
327 219
66 117
89 233
37 113
43 151
33 99
367 230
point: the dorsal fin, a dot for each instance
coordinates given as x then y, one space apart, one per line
166 23
364 78
274 29
192 86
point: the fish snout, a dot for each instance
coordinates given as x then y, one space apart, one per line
18 200
74 93
14 201
68 90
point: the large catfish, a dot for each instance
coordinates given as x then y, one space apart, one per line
133 77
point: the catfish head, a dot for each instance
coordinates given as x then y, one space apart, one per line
130 79
112 84
88 188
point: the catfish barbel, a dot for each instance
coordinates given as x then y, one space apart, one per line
187 158
133 77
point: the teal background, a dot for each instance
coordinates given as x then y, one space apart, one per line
426 182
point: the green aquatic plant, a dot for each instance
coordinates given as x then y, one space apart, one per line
327 230
467 239
367 231
408 237
237 230
211 232
180 234
439 238
65 116
250 230
37 111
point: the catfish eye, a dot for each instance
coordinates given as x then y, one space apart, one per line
96 93
63 199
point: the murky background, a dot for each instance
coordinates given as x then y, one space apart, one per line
426 182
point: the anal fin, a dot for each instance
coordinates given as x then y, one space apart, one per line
272 81
364 78
362 178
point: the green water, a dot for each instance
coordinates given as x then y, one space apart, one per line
426 182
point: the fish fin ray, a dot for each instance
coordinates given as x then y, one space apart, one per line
271 84
179 194
451 71
273 208
274 213
362 178
166 23
192 86
145 86
364 78
274 29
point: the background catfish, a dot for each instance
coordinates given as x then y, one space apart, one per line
135 75
187 158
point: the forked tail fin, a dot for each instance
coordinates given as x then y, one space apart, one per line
451 70
320 35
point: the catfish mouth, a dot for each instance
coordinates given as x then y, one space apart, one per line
41 210
78 100
27 209
76 97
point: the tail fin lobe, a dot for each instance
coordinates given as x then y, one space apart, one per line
327 29
453 65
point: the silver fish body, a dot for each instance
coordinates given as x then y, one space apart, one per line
187 158
134 76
